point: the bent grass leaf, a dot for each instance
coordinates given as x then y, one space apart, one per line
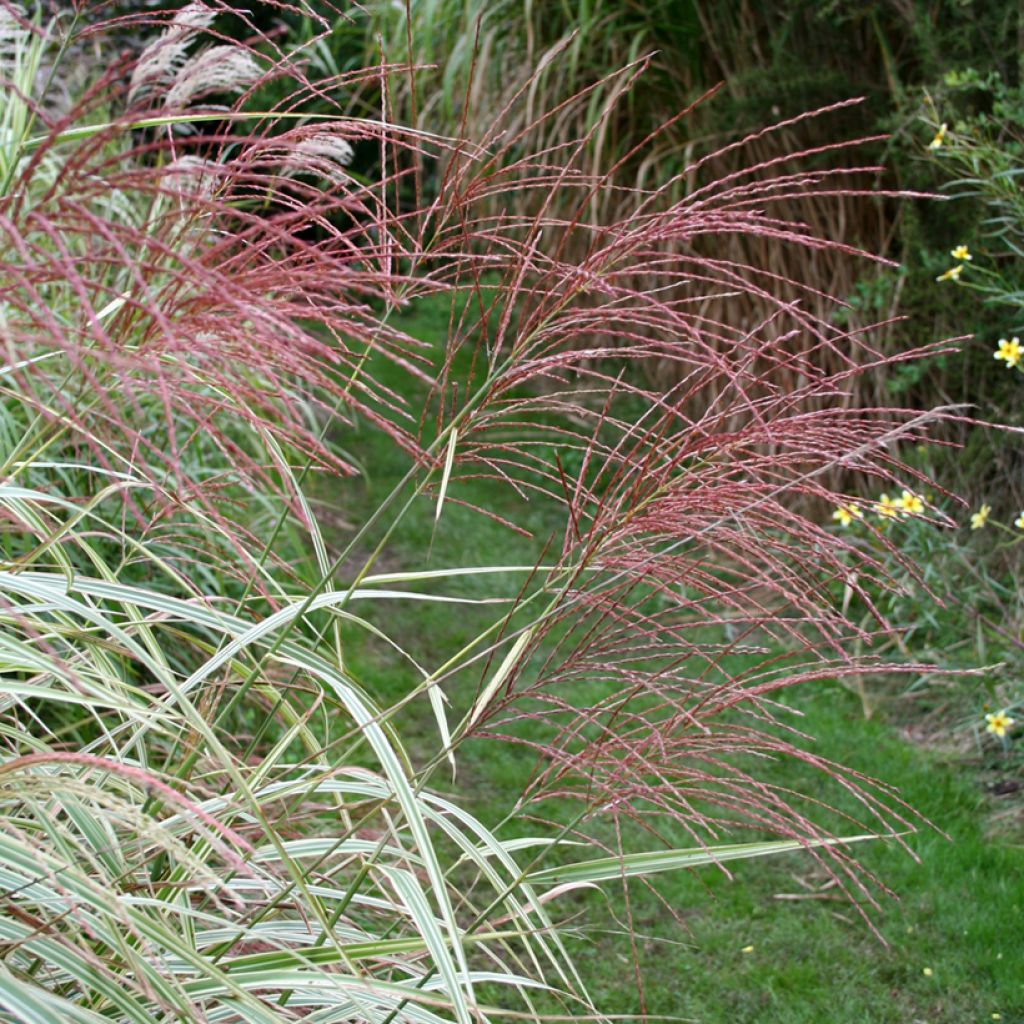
640 865
502 673
419 910
446 473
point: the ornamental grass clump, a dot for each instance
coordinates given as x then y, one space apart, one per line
204 813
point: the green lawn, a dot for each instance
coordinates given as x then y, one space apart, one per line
733 950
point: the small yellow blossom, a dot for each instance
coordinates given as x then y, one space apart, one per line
927 972
1009 351
1019 521
980 518
953 274
909 503
998 723
940 137
961 252
997 1016
747 949
845 514
888 508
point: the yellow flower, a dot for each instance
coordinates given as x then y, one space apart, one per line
980 518
1019 521
888 508
909 503
940 137
747 949
953 274
845 514
961 252
927 972
998 723
1009 351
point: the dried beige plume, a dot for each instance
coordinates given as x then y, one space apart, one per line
220 69
161 61
13 36
193 176
11 21
324 153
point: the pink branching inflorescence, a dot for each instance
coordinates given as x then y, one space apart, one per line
693 533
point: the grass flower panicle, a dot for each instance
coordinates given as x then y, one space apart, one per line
1009 352
998 723
953 274
980 518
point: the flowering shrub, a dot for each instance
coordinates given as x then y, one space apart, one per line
969 628
978 147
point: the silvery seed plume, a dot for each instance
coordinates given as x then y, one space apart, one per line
162 60
322 152
220 69
193 176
